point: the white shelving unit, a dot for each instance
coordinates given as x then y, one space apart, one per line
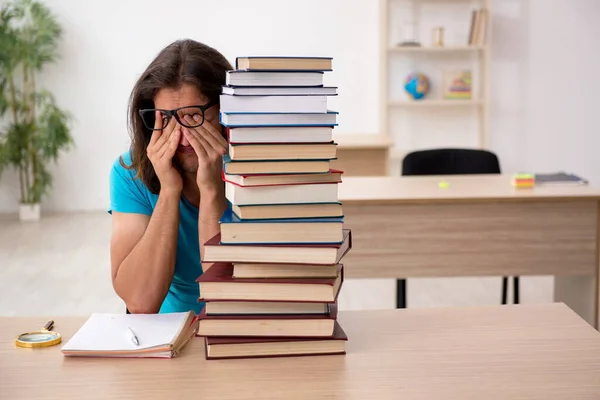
432 122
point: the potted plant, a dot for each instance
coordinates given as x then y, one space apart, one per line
33 129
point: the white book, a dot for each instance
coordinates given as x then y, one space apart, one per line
282 194
280 91
270 78
273 104
283 134
279 119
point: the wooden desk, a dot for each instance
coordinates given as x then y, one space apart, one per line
479 225
502 352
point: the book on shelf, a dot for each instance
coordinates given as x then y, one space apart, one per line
232 167
280 134
331 176
282 151
284 211
110 335
273 104
282 194
457 85
215 251
281 231
244 347
262 270
281 325
237 307
280 90
218 283
273 78
479 27
280 63
230 119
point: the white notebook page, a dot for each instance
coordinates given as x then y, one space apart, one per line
108 332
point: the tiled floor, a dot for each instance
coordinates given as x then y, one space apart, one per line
60 266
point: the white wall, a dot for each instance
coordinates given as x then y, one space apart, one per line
109 43
545 81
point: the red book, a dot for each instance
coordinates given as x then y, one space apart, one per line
252 347
218 283
322 254
311 325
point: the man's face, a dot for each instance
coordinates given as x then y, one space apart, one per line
186 95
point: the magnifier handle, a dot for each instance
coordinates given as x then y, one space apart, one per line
49 325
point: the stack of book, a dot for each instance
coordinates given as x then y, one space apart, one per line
276 275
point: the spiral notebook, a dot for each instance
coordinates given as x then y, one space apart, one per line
112 335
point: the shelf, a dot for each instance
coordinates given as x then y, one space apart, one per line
432 49
435 103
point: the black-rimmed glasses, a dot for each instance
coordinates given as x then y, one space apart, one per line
196 112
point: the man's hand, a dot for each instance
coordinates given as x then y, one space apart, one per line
210 146
161 149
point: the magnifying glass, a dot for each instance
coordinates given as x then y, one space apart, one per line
45 337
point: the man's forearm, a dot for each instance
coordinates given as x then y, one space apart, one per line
144 276
212 207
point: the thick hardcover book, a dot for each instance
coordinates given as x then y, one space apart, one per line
273 104
283 63
218 283
240 119
294 230
282 194
247 347
280 134
215 251
312 325
254 307
273 78
274 167
280 90
332 176
282 151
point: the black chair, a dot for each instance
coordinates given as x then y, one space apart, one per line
451 162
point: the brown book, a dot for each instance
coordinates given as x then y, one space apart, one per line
333 176
261 270
252 347
324 254
260 63
234 307
268 325
281 151
218 283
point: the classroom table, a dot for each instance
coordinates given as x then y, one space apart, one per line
475 225
543 351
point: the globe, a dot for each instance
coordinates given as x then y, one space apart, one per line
416 85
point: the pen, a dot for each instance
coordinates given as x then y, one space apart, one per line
134 338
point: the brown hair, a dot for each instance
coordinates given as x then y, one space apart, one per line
183 61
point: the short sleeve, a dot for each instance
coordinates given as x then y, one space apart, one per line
126 194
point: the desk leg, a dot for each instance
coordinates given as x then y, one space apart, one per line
579 293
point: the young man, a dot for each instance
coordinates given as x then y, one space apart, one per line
166 192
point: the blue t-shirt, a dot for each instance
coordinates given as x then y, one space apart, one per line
129 195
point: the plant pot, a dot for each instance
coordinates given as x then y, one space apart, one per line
29 212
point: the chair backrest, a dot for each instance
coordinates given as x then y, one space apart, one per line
450 162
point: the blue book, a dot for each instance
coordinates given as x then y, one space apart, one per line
243 119
282 231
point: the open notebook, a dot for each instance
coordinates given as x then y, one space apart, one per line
110 335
